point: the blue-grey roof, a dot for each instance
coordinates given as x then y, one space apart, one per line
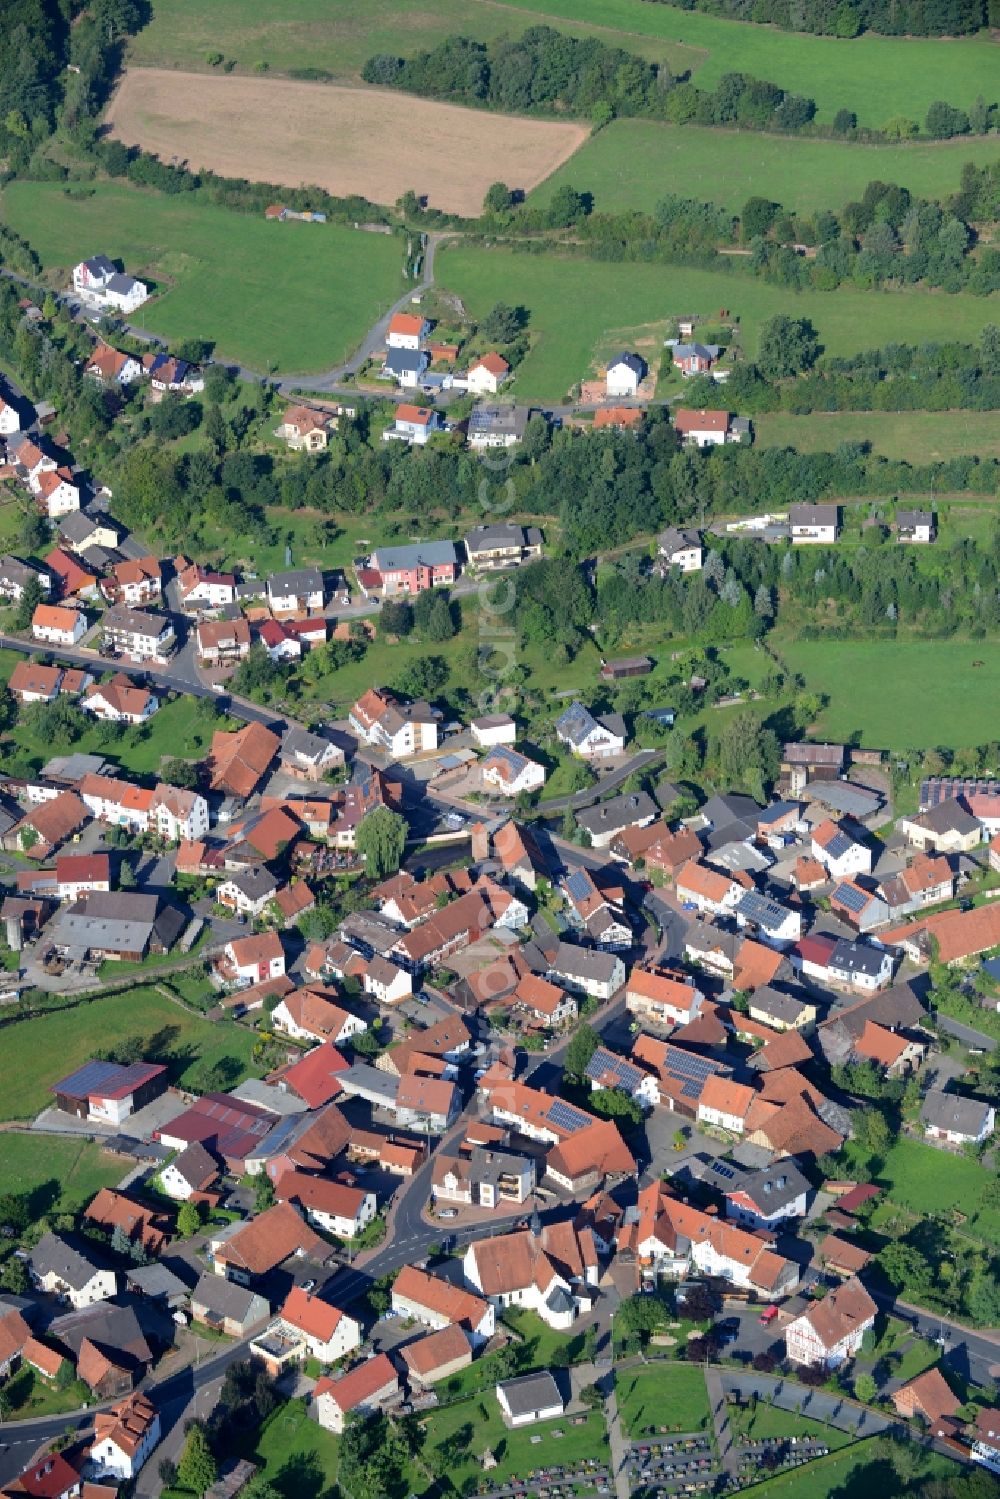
851 897
402 361
761 910
576 723
625 1073
631 361
855 957
420 553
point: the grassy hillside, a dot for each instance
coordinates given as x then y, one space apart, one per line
340 35
635 163
918 436
576 306
287 297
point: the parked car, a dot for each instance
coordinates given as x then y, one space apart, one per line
768 1315
448 1213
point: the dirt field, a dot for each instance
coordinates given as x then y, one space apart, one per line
346 140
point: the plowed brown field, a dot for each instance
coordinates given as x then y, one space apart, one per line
369 141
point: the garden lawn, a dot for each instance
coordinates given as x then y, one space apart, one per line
574 305
60 1175
38 1052
179 728
517 1455
877 77
927 1180
339 36
917 436
635 163
669 1394
273 296
298 1457
27 1396
937 697
549 1349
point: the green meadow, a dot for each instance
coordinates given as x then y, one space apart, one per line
635 163
283 297
576 306
917 436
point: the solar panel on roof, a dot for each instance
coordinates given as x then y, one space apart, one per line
850 896
721 1169
690 1090
564 1116
578 885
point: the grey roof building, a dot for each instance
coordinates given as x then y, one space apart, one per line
53 1255
771 1192
531 1397
948 1114
218 1302
299 581
406 361
418 554
580 963
607 818
506 423
779 1007
117 921
256 884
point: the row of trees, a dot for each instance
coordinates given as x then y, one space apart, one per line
847 18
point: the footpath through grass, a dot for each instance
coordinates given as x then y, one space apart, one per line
635 163
283 297
576 306
38 1052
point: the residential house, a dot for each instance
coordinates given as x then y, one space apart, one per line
118 701
227 1307
667 999
702 428
111 367
238 762
634 809
265 1242
552 1272
925 882
830 1332
680 548
308 756
61 1269
599 974
297 592
124 1436
606 1069
775 924
251 959
439 1303
330 1205
406 366
413 424
624 375
768 1197
497 426
695 358
501 545
138 635
948 827
10 421
57 492
405 330
724 1104
48 1477
369 1387
916 526
486 374
409 570
57 624
306 1327
247 891
510 773
304 430
956 1120
588 737
311 1015
853 965
814 524
840 854
14 575
701 888
92 276
484 1178
986 1434
860 908
953 937
547 1004
493 729
190 1174
134 582
402 730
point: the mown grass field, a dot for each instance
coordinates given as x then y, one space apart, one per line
672 1395
901 694
877 77
927 1180
61 1175
635 163
917 436
340 35
572 304
283 297
38 1052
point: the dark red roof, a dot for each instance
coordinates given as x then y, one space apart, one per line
857 1197
314 1078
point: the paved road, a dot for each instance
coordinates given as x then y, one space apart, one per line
968 1036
